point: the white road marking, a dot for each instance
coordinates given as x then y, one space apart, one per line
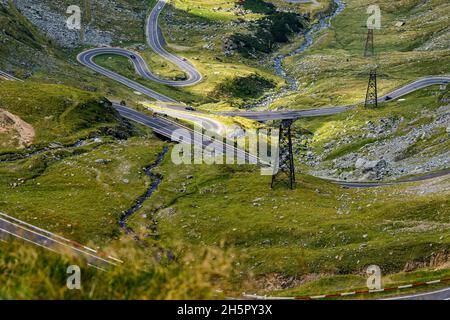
36 243
90 249
61 243
41 230
433 282
375 291
113 258
93 266
419 294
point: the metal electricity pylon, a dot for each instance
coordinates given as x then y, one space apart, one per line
285 161
372 87
372 91
369 49
89 9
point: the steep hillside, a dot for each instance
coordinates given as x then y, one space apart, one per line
103 22
57 112
29 51
403 138
411 43
71 165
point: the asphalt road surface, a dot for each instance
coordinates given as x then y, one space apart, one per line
179 133
11 227
443 294
86 58
202 120
263 116
165 127
424 177
7 76
155 42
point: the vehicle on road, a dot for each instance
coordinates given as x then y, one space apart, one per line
388 98
189 108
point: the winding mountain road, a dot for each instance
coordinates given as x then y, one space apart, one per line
179 133
155 41
7 76
12 227
263 116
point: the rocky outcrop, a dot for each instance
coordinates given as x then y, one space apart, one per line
53 24
51 18
392 154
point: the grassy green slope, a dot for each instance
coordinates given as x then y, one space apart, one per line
317 228
189 27
333 71
65 189
57 113
33 273
414 110
28 54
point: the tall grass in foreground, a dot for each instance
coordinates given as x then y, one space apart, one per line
27 272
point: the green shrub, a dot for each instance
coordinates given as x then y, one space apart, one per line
258 6
270 31
251 86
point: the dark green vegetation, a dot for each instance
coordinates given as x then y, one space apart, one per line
28 53
268 33
19 29
76 189
252 86
258 6
191 32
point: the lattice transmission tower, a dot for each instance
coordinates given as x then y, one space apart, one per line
372 91
372 87
285 161
369 49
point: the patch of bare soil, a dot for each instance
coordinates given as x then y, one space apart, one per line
276 281
439 261
19 132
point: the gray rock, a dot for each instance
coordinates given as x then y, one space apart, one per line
102 161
